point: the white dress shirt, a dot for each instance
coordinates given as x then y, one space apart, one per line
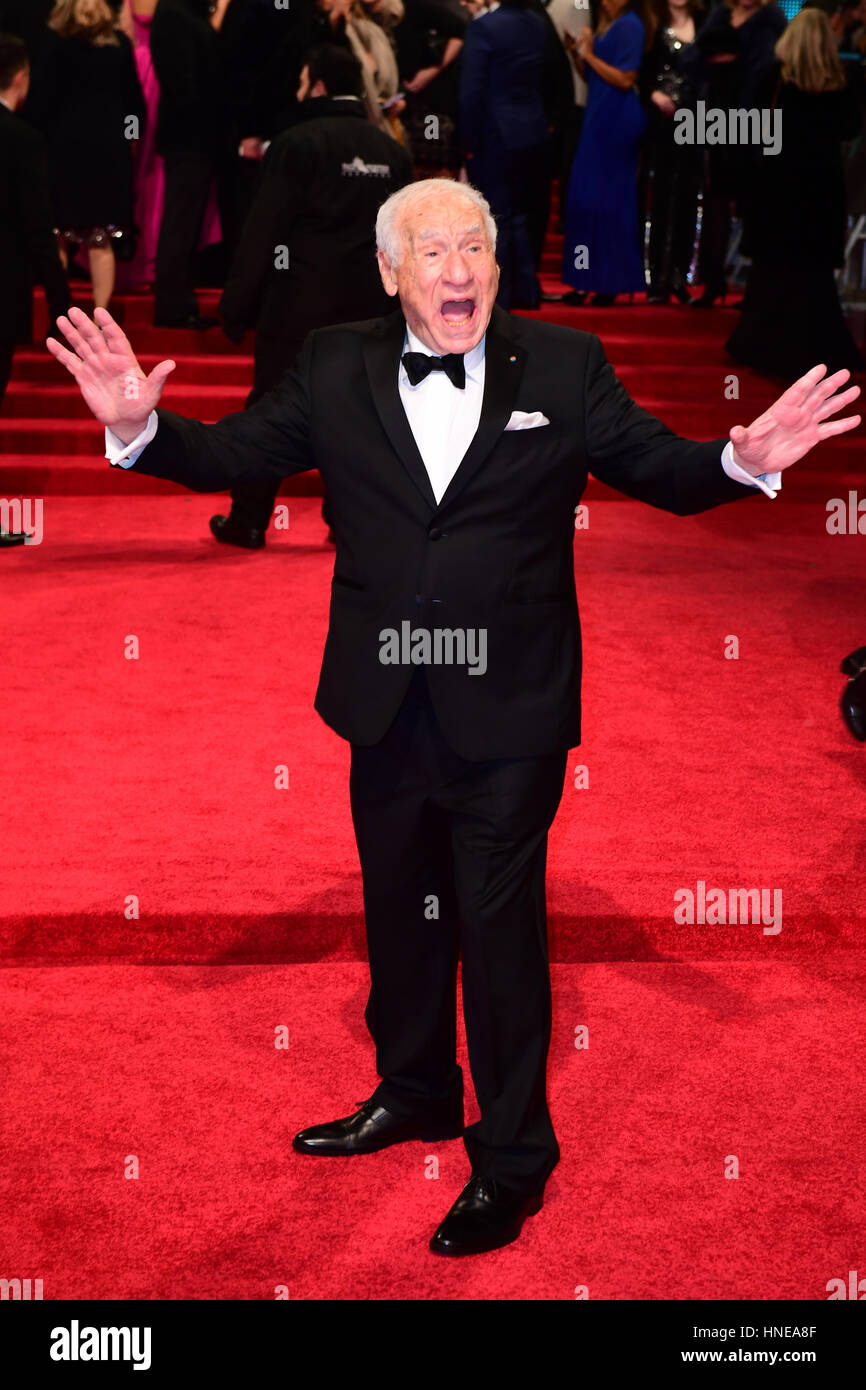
443 420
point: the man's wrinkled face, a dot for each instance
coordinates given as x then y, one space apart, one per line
447 276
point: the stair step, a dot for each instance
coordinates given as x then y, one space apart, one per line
64 401
37 365
62 475
29 436
652 387
88 475
167 342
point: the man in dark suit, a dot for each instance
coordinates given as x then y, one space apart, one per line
307 255
505 133
195 136
28 249
455 444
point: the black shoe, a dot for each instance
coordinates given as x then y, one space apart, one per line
200 322
13 538
485 1216
853 664
574 299
248 537
854 706
679 288
372 1127
709 297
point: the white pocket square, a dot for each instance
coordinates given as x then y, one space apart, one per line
526 420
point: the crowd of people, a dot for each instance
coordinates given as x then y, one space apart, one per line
157 114
151 130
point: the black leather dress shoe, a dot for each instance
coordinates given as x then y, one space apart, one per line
227 530
853 664
372 1128
485 1216
854 706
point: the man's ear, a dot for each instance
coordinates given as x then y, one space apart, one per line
386 273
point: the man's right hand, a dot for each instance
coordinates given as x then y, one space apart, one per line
109 377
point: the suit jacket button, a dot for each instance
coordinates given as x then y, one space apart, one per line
434 534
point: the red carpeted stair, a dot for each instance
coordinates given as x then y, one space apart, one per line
153 1034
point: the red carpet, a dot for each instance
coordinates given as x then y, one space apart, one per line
176 1065
154 1035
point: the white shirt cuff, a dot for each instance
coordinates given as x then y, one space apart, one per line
122 455
770 483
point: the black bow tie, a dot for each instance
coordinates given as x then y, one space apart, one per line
419 365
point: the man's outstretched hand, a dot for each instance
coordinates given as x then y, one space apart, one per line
795 423
107 371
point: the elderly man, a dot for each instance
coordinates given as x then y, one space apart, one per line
455 444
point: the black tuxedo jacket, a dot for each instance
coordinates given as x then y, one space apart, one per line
494 554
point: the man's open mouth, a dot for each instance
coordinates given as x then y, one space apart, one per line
457 313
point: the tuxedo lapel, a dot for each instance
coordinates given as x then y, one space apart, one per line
382 351
503 368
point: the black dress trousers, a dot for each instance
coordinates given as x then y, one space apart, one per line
253 503
188 178
453 857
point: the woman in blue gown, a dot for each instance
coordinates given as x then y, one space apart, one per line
602 249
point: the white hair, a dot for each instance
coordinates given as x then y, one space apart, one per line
388 237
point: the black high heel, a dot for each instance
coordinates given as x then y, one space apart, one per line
709 297
679 289
658 294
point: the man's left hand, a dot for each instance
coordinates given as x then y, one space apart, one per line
795 423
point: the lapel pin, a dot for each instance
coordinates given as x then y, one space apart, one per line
512 359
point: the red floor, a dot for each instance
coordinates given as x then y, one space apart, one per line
153 1036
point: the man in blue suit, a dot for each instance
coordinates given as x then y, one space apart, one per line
504 130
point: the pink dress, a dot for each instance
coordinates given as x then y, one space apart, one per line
149 178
